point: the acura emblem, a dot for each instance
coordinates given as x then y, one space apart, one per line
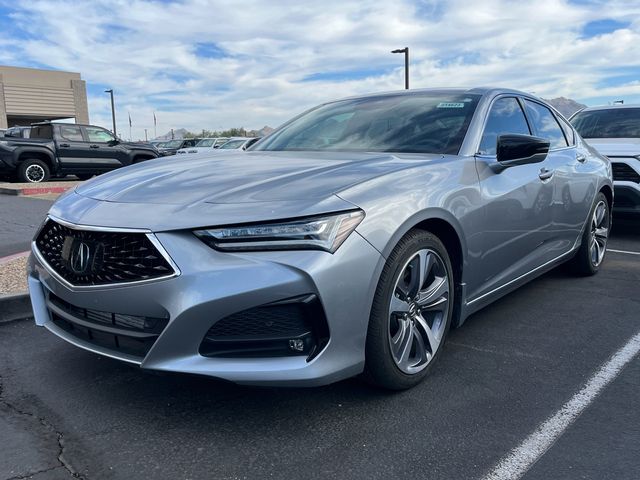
80 258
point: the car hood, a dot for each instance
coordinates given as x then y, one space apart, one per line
236 187
241 177
616 147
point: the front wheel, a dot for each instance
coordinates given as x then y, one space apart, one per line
33 171
411 312
594 238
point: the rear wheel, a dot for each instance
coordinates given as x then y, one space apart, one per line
411 312
594 239
33 170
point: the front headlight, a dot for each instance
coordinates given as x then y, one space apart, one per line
325 232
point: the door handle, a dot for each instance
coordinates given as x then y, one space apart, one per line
94 146
64 145
581 158
545 174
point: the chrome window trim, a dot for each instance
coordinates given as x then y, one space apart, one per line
152 238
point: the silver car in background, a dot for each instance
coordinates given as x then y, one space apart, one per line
205 145
614 131
349 241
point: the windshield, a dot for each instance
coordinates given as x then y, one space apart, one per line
173 144
608 123
231 144
429 122
207 142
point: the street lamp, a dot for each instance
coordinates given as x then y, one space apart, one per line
113 111
404 50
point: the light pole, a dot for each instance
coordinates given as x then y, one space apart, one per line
113 111
145 134
404 50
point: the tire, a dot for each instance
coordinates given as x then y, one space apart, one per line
399 351
593 246
84 176
33 170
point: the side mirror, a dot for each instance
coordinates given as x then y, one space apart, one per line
513 150
113 143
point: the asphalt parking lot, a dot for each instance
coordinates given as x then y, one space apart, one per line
65 412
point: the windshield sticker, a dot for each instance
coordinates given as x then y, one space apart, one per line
451 105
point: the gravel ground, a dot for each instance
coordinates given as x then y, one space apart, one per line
13 277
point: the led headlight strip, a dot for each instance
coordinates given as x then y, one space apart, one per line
326 232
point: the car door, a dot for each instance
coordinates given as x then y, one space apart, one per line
105 149
517 203
73 151
568 183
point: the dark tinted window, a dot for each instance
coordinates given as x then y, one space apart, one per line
42 131
545 124
505 116
429 122
611 123
71 132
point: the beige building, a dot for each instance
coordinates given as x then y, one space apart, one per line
30 95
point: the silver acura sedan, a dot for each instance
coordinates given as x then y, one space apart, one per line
347 242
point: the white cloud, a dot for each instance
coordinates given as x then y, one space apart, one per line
147 52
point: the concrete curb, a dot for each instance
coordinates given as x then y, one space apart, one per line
14 256
33 190
15 307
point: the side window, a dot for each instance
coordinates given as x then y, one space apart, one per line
568 131
98 135
42 131
545 124
71 133
505 116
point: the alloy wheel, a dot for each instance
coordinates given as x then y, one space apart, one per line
35 173
418 311
599 233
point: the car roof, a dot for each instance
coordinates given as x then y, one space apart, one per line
444 91
610 107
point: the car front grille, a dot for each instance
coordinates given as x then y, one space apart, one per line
623 172
87 257
119 333
270 330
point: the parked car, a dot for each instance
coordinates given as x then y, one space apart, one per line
204 145
615 132
63 149
18 132
348 241
239 143
172 146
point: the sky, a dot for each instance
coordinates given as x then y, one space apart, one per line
216 64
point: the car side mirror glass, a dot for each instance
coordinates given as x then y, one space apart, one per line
513 150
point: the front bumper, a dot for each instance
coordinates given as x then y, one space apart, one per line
213 285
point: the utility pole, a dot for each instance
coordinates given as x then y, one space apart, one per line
404 50
113 111
145 135
172 134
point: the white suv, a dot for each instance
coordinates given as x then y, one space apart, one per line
615 132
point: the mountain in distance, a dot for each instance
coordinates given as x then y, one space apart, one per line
177 134
263 132
180 133
566 106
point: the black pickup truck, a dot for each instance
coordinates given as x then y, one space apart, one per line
58 149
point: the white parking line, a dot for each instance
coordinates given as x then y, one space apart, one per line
516 464
622 251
